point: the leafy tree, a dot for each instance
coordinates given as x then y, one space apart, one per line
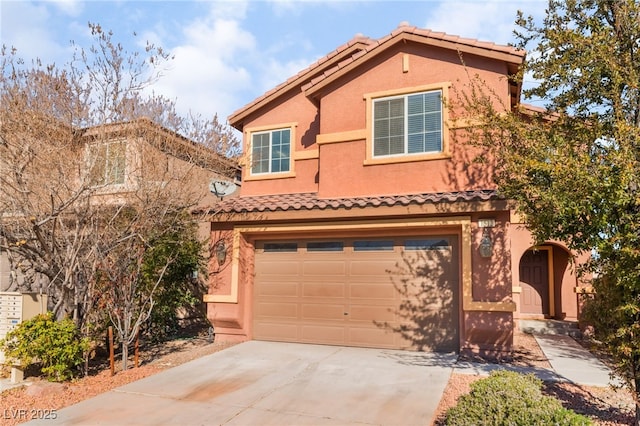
574 168
182 285
55 345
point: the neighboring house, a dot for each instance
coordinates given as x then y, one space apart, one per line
124 157
117 161
363 219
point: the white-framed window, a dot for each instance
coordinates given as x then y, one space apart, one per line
107 162
408 124
271 151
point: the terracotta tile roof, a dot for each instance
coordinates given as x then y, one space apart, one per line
311 201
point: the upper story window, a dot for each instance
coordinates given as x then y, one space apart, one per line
107 163
408 124
271 151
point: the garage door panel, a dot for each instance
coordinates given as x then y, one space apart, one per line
373 337
282 269
373 267
324 268
278 289
276 310
372 291
334 335
277 331
323 311
323 290
371 313
431 337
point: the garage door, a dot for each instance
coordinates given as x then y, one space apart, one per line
382 292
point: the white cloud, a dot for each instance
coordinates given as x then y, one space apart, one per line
69 7
27 27
488 21
297 7
276 72
230 9
208 71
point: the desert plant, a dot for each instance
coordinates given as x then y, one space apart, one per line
54 345
509 398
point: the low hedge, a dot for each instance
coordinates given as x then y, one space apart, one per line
509 398
53 345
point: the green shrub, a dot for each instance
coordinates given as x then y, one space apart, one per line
508 398
54 345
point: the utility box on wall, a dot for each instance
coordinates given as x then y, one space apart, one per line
17 307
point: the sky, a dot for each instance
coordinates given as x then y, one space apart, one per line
227 53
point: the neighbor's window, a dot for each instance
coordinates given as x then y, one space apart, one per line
408 124
107 163
271 151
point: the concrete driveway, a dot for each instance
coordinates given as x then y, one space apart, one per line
267 383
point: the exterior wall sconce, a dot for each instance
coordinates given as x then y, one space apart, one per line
221 252
486 244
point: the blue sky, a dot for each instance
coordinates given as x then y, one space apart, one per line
227 53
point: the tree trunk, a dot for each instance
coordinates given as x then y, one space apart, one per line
636 390
125 354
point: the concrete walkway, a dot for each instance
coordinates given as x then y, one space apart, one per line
570 362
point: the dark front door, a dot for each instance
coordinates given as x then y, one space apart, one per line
534 280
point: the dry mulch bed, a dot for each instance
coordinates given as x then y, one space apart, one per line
605 406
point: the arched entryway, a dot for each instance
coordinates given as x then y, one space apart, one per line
547 283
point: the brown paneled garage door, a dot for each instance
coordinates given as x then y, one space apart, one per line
380 292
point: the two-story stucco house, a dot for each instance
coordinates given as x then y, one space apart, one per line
363 219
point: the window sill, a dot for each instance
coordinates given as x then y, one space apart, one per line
113 188
406 158
270 176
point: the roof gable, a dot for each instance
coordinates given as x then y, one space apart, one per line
357 44
362 49
512 56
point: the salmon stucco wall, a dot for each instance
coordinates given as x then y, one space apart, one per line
338 169
342 103
343 173
491 275
299 113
